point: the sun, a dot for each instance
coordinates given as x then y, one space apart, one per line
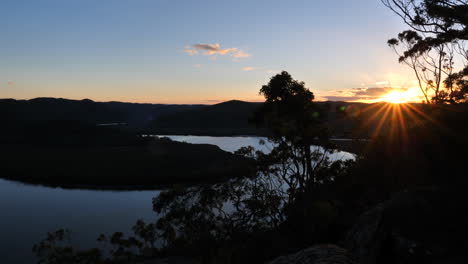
395 97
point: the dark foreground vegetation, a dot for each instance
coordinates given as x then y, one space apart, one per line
400 201
403 200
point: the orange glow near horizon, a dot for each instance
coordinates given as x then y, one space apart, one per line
396 97
410 95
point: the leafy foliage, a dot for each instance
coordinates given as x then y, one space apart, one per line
224 222
436 40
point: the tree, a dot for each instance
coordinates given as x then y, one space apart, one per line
437 40
428 65
296 123
245 219
446 19
219 221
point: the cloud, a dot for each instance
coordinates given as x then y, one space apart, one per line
382 83
345 98
241 55
212 49
378 91
215 49
198 65
11 83
362 94
190 52
250 68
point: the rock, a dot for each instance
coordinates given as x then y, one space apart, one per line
365 238
419 226
321 254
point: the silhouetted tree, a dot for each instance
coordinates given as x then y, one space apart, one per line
254 217
296 123
428 65
436 40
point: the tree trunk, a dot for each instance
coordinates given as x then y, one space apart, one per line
309 172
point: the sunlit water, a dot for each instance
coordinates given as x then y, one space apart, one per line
27 212
232 144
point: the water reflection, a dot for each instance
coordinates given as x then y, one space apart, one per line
29 211
232 144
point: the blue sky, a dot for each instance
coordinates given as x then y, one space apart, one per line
171 51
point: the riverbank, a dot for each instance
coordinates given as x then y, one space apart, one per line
159 163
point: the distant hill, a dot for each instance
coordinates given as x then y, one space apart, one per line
137 117
232 118
227 118
223 119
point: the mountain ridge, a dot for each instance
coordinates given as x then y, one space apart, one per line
227 118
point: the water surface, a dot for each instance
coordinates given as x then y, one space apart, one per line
232 144
28 212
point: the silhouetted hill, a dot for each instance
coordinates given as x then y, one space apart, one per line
232 118
223 119
14 113
342 117
227 118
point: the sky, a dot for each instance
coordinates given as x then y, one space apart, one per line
196 52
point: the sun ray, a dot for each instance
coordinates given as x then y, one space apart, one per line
415 119
394 128
381 121
423 115
367 123
371 107
386 108
402 123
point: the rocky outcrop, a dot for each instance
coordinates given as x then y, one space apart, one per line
366 237
321 254
412 227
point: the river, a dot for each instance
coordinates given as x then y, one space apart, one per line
28 212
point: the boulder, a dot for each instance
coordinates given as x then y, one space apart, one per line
424 226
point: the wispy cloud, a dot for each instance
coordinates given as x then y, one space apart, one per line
379 91
342 98
211 49
190 52
382 83
363 94
241 55
198 65
215 49
249 68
